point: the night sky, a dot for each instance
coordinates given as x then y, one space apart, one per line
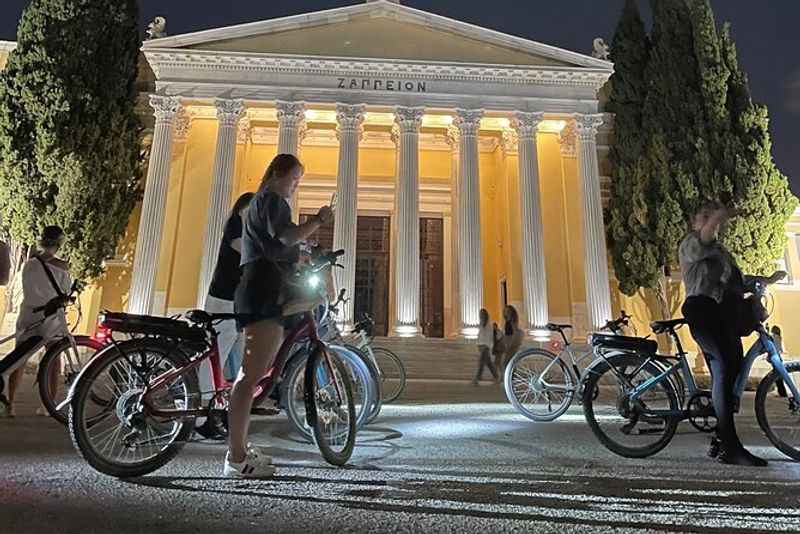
766 34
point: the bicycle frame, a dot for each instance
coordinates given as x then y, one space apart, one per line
764 345
306 328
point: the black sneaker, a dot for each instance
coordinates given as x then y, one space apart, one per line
715 448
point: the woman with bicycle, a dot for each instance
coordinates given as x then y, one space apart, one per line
269 252
44 277
715 289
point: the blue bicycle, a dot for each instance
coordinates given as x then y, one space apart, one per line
633 406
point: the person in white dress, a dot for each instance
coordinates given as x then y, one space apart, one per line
38 290
486 340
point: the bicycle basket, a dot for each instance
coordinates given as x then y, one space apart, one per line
152 326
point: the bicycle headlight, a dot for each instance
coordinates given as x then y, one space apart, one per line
313 281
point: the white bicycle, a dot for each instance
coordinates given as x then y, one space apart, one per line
541 384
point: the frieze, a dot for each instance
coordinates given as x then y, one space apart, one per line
376 84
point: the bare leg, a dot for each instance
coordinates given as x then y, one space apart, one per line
13 384
53 379
262 341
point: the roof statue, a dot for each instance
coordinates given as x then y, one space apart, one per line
157 29
601 49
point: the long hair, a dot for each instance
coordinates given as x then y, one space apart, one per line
484 315
776 330
513 316
241 203
281 165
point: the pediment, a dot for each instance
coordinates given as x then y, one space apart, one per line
379 30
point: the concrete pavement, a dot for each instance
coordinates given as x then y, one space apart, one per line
443 466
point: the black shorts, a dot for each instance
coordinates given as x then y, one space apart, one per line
259 293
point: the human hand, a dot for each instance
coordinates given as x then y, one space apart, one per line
325 214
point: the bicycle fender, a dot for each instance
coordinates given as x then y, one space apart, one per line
63 404
595 365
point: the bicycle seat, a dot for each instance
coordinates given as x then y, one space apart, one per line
660 327
553 327
626 343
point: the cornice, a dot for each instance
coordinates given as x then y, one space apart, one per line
7 46
165 62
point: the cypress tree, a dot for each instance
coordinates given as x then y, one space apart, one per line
734 162
69 136
760 192
633 252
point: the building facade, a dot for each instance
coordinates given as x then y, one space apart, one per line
471 167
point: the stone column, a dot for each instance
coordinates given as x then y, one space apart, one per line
598 293
350 119
291 124
408 121
219 203
452 137
469 221
534 280
151 222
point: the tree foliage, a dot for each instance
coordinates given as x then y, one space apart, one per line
697 136
69 135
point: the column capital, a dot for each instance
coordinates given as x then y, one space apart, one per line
586 125
509 142
165 108
291 114
350 117
526 123
409 120
468 121
567 139
229 111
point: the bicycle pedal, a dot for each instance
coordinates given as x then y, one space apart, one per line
264 411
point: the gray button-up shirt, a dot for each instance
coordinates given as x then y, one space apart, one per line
707 268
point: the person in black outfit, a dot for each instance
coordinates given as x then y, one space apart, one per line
714 288
227 273
269 253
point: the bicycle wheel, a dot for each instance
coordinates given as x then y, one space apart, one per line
116 438
293 392
624 426
393 374
779 417
539 384
377 384
330 407
59 368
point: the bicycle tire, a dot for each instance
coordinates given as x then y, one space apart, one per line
391 395
342 377
508 385
764 388
295 378
374 373
105 359
53 356
589 399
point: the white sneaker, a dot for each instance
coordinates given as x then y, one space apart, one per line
256 464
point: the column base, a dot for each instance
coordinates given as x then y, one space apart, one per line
406 331
468 332
539 333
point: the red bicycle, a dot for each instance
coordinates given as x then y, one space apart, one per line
133 408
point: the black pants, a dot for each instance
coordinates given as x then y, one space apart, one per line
485 361
712 327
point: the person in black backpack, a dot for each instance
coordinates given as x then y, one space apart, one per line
44 277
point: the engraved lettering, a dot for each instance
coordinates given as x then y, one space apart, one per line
422 87
390 85
341 83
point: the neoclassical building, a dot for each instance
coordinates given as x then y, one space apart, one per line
458 153
470 165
